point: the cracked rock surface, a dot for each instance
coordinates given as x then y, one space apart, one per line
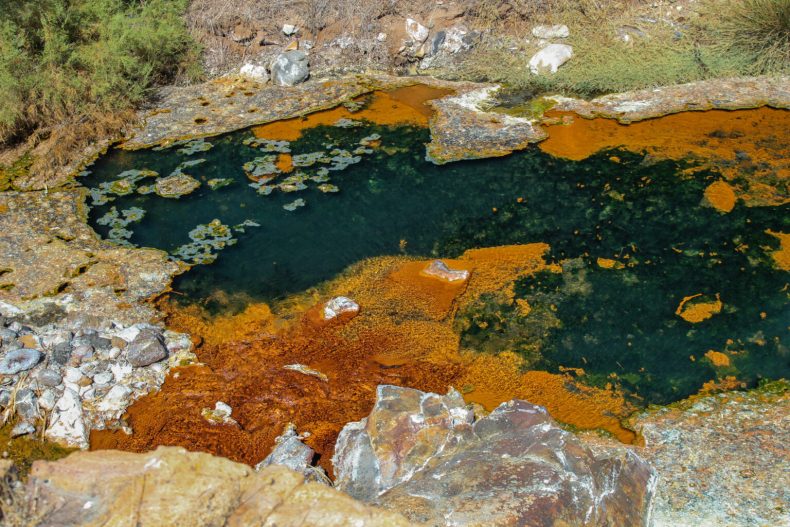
54 265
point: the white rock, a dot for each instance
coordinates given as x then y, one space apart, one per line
338 306
547 32
66 425
223 409
9 310
71 374
47 399
116 399
121 371
455 39
289 29
550 58
416 31
103 378
130 333
343 42
381 37
176 342
22 428
255 72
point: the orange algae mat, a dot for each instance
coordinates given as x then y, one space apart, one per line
403 335
748 147
402 106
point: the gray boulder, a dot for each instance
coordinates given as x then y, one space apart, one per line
26 404
20 359
61 352
426 455
290 68
147 348
289 451
49 377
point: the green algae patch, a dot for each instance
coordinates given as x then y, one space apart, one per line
24 450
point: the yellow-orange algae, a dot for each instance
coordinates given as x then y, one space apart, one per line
403 335
608 263
696 311
402 106
730 140
781 256
493 379
721 196
717 358
726 384
284 163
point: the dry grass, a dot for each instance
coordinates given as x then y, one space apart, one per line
755 31
721 38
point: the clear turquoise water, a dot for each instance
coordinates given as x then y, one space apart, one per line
610 321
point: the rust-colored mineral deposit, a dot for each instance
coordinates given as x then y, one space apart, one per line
402 335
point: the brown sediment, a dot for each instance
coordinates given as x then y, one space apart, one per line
742 145
401 106
403 335
781 256
696 308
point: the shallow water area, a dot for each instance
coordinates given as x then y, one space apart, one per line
599 283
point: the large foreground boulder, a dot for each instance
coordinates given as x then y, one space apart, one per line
172 487
425 455
724 459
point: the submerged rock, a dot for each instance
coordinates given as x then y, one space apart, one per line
173 487
289 451
340 305
425 454
290 68
176 185
219 415
306 370
439 270
550 58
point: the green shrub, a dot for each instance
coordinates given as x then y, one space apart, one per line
65 63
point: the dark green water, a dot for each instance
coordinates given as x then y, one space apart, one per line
616 321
